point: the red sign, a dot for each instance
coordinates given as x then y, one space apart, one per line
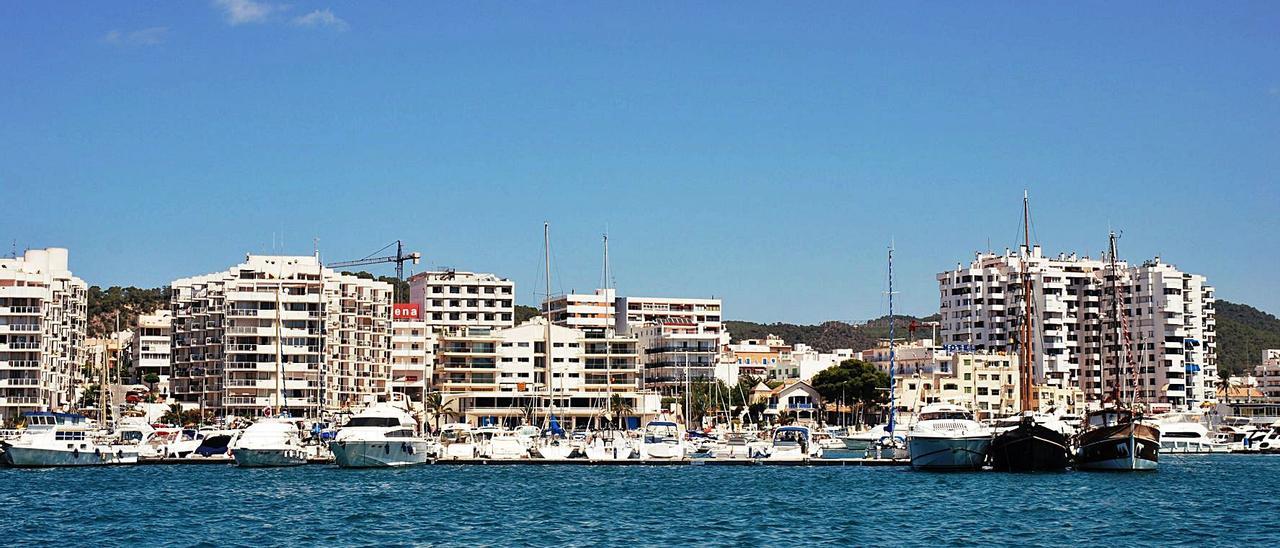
407 312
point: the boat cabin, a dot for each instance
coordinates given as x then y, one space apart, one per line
1109 417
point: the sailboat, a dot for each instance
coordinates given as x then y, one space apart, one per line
552 445
1116 437
891 446
1038 442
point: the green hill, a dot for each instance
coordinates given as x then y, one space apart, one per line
1243 333
830 335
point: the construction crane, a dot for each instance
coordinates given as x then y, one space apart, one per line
399 258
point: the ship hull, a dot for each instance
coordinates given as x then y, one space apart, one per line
948 453
1030 448
379 454
1121 447
269 458
32 457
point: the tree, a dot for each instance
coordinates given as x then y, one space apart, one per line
854 381
151 379
1224 384
618 409
523 313
435 404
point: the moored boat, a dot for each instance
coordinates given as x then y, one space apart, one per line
947 438
1037 443
1116 438
62 439
270 442
662 441
382 435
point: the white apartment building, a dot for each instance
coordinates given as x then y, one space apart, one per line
279 332
635 311
675 351
984 383
596 310
805 362
413 345
150 347
1169 315
453 298
1267 374
42 332
499 375
920 356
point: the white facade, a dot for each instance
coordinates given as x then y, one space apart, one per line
454 299
806 362
921 356
413 344
1267 374
500 374
151 340
1169 314
329 337
637 311
42 332
675 352
584 310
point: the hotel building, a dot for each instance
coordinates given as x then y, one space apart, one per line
42 332
151 340
279 332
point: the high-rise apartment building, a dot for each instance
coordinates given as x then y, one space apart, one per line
584 310
1168 314
413 345
453 298
42 332
279 332
151 340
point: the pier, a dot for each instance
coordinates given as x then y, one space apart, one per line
584 462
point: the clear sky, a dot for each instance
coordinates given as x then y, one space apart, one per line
766 153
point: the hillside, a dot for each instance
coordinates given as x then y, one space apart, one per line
830 335
129 301
1243 333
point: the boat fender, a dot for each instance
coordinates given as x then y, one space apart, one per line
386 449
97 452
75 452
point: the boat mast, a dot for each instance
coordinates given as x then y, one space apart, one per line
279 354
608 360
1115 316
1026 375
892 353
546 350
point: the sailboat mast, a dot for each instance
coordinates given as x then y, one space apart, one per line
1026 375
279 354
608 359
893 369
546 350
1115 315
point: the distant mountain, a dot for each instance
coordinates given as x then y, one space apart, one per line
1243 333
830 335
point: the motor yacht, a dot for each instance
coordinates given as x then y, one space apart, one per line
663 441
63 439
1185 433
457 442
610 445
947 438
503 445
270 442
794 443
383 434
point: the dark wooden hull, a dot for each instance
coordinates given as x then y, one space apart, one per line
1030 448
1120 447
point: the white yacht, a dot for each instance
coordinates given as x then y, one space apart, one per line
794 443
502 444
62 439
384 434
864 440
662 440
457 442
1181 433
947 438
553 448
610 445
270 442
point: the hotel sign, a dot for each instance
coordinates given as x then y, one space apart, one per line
406 312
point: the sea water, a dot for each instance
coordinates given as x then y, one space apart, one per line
1191 500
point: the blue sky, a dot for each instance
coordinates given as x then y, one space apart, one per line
759 152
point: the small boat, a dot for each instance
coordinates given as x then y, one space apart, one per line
610 445
62 439
268 443
947 438
863 441
794 443
382 435
1116 438
504 445
1036 442
457 442
662 441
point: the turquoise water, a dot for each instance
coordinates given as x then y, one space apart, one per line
1192 500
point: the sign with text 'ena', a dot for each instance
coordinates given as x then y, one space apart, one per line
406 312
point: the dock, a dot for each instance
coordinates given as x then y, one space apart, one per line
581 462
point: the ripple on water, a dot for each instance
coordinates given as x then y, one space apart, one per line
1200 500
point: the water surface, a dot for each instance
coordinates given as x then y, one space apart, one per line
1192 500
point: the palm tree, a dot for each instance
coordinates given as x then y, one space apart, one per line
618 408
173 415
1224 384
435 404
